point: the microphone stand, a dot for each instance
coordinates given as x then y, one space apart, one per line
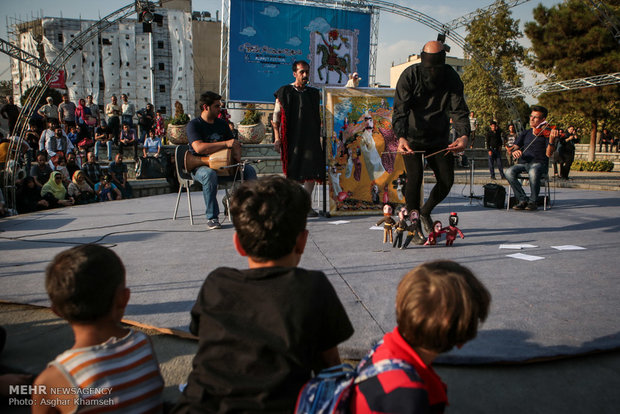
471 195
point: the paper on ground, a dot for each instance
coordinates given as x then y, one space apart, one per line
527 257
376 228
568 247
339 222
516 246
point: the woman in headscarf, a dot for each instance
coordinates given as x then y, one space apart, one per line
29 197
55 192
79 189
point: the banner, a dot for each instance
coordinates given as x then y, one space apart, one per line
267 37
58 80
364 170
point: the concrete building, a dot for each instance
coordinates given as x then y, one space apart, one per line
396 70
177 60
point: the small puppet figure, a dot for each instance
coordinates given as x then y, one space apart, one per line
401 226
413 231
452 230
388 223
435 235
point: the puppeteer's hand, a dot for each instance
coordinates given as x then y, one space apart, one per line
277 145
403 146
458 145
516 154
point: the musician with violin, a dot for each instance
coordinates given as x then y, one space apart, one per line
532 150
208 135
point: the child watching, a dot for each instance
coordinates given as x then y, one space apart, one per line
109 366
263 330
438 306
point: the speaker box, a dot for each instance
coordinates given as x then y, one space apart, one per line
494 195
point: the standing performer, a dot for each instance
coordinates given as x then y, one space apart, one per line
427 95
297 129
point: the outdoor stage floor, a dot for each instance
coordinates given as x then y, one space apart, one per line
563 303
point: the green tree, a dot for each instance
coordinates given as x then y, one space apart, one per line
568 42
493 38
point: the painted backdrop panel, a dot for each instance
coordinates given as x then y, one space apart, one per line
364 170
267 37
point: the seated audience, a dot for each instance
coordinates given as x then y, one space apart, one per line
118 172
41 170
29 197
152 145
255 355
106 190
79 189
439 305
103 136
128 138
92 169
72 163
55 192
87 287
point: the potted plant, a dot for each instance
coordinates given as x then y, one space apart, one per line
175 132
251 129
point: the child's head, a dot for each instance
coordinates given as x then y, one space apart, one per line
439 305
269 214
83 282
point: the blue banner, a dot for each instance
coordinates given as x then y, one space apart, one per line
266 38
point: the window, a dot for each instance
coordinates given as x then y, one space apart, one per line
162 66
60 37
160 44
162 88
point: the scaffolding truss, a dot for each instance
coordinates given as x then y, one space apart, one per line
565 85
466 19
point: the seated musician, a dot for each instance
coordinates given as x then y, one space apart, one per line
532 149
207 135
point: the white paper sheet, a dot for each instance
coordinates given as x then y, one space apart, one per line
376 228
337 222
526 257
568 247
516 246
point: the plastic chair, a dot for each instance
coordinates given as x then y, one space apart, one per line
544 182
185 180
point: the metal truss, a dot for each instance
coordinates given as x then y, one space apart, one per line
23 56
374 43
224 48
565 85
606 17
464 20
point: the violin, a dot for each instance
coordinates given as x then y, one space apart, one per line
544 130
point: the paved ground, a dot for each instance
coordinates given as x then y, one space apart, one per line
577 295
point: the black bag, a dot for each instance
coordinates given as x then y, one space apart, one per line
152 167
494 195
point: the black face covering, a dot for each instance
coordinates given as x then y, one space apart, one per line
433 69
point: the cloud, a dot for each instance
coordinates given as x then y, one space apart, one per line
318 25
270 11
248 31
293 41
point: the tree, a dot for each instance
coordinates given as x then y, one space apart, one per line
493 39
569 42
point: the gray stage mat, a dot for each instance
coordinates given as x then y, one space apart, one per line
559 305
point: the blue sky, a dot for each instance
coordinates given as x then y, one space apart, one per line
398 36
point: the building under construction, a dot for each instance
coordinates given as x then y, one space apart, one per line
158 62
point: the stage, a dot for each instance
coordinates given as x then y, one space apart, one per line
557 300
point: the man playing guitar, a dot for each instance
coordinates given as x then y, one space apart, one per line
207 135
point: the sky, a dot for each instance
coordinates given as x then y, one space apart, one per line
399 37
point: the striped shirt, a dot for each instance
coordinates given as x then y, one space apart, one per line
119 375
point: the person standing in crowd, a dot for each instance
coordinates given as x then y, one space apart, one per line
494 147
566 151
49 110
66 113
473 125
532 150
128 110
427 95
297 129
509 143
94 108
146 119
113 112
10 111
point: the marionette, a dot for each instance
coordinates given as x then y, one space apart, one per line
435 235
452 230
388 223
401 226
413 231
